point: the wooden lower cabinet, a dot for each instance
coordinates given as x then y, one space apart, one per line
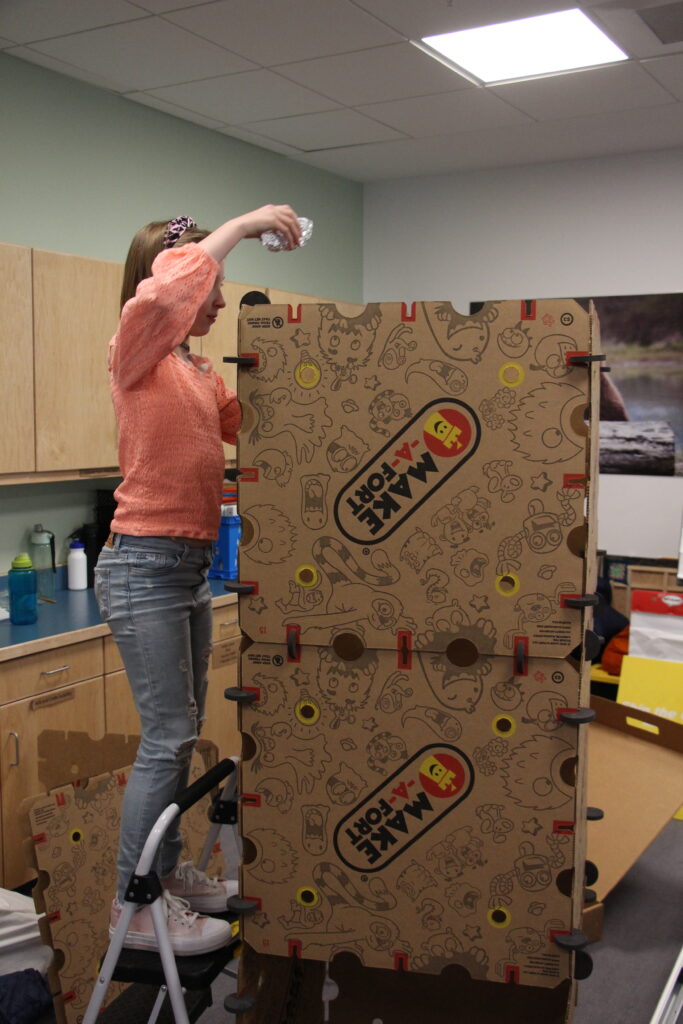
120 712
76 707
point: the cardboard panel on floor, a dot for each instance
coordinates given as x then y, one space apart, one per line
410 474
75 829
416 817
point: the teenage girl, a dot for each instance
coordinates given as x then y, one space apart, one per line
173 413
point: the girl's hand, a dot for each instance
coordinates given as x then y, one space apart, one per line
272 218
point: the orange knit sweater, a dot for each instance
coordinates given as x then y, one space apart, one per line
172 417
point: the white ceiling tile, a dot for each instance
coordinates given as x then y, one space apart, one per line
62 67
419 18
320 131
289 30
162 6
463 111
584 137
250 96
371 76
25 21
143 54
669 72
620 87
261 141
630 32
169 108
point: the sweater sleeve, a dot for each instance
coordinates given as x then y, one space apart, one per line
162 311
229 411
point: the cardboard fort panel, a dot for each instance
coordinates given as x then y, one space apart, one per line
75 837
417 817
413 476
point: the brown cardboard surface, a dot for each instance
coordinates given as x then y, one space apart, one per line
411 472
418 816
417 491
636 778
75 837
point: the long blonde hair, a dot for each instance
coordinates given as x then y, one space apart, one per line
146 245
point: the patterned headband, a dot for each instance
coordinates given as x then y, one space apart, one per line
175 228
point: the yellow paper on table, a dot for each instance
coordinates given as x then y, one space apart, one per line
652 685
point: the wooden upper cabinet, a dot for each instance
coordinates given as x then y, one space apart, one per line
17 438
76 309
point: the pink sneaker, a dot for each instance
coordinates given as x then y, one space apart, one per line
189 933
205 895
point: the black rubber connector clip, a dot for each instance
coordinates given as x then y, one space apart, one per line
582 716
143 889
521 654
238 1004
234 587
238 905
232 475
586 360
590 896
594 814
241 360
572 941
239 695
584 601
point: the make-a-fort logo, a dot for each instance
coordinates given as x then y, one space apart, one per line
407 471
403 808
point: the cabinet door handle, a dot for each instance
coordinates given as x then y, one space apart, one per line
227 625
15 763
54 671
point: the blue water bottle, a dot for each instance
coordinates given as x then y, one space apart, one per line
23 596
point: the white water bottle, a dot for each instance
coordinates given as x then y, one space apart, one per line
77 566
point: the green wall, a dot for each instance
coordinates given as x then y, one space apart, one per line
81 169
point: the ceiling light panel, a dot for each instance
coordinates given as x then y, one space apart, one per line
543 45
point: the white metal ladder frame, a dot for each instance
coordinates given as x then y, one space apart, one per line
144 868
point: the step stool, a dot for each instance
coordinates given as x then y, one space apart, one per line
166 972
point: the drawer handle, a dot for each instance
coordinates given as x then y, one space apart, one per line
51 699
227 625
54 671
15 763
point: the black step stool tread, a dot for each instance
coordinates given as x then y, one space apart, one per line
195 972
135 1004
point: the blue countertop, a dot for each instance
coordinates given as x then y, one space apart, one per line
73 610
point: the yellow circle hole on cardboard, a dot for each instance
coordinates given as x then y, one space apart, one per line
499 917
76 835
508 584
307 711
504 725
307 896
307 374
511 375
306 576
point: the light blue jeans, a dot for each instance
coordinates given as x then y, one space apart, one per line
153 594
